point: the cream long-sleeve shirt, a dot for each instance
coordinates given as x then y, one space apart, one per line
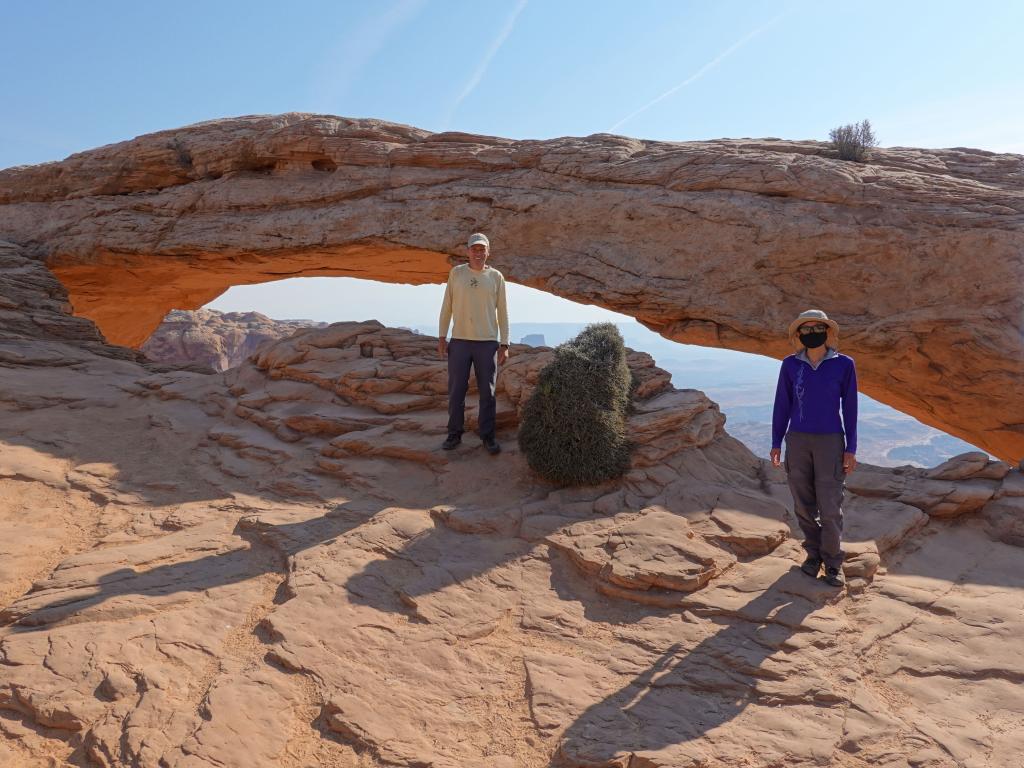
476 301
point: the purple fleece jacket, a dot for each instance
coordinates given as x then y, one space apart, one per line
808 399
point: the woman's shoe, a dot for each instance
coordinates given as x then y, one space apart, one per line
834 577
811 566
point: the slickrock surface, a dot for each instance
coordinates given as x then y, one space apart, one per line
217 340
919 254
278 566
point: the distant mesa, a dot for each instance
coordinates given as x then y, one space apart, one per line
533 340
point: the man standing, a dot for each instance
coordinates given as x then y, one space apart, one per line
475 299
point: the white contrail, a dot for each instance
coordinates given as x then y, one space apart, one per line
699 73
343 64
481 69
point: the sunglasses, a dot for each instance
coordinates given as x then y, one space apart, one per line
819 328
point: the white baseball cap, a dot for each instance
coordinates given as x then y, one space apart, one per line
479 238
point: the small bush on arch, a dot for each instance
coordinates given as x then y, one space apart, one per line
852 141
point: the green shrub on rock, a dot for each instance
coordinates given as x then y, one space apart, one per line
573 430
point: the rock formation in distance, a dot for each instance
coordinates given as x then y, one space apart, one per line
217 340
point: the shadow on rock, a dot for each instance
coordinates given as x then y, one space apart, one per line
422 563
82 591
684 694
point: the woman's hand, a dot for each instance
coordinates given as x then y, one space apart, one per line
849 462
776 456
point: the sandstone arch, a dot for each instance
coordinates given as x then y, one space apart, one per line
919 254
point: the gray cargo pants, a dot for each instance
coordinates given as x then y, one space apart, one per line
814 464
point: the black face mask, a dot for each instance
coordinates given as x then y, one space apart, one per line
813 340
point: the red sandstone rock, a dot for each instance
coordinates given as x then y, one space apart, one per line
718 243
277 566
218 340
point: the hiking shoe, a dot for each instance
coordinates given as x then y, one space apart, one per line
452 442
834 577
811 566
492 445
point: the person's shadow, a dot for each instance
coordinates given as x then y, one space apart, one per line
686 693
73 604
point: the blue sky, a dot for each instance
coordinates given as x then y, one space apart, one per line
78 75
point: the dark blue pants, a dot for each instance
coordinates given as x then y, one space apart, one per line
483 356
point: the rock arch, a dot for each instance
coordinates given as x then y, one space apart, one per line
919 254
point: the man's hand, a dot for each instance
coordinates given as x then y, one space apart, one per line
776 457
502 355
442 347
849 462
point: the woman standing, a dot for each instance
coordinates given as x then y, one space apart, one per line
815 385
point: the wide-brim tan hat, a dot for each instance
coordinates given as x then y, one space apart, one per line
812 315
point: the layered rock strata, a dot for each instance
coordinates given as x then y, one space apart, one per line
918 254
217 340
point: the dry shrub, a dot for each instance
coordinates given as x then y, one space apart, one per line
573 430
853 141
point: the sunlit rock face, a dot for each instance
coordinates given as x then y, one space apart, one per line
917 253
278 566
217 340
